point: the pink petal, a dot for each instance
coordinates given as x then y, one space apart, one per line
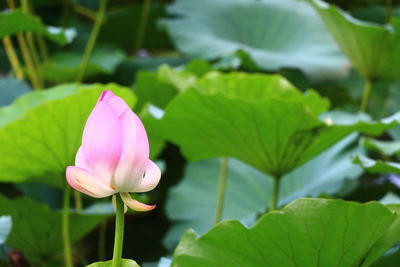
106 94
87 183
150 179
118 105
115 102
102 141
135 153
80 160
134 204
114 202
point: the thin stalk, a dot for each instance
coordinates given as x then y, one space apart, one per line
223 176
13 58
92 40
142 24
78 201
102 241
275 194
44 53
366 94
389 10
26 55
36 84
86 12
119 231
65 227
30 42
66 12
11 4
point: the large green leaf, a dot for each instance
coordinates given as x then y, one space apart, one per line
387 148
64 66
151 123
5 228
390 260
308 232
390 237
372 48
160 87
125 263
271 31
16 21
377 166
260 119
191 204
41 132
36 228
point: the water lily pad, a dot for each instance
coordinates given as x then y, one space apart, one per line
36 228
272 32
307 232
160 87
377 166
387 148
262 120
387 240
191 204
372 48
64 66
16 21
125 263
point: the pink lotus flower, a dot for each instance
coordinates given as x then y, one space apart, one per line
114 155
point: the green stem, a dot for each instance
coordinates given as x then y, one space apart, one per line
36 84
42 47
65 227
389 10
66 12
13 58
223 176
142 24
35 81
366 95
275 194
119 231
78 201
31 44
86 12
92 40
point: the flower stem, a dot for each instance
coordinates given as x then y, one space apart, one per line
365 96
12 57
65 227
78 201
275 194
42 47
84 11
92 41
35 81
31 44
223 176
119 231
142 24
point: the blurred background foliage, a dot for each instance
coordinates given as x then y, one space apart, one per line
299 92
